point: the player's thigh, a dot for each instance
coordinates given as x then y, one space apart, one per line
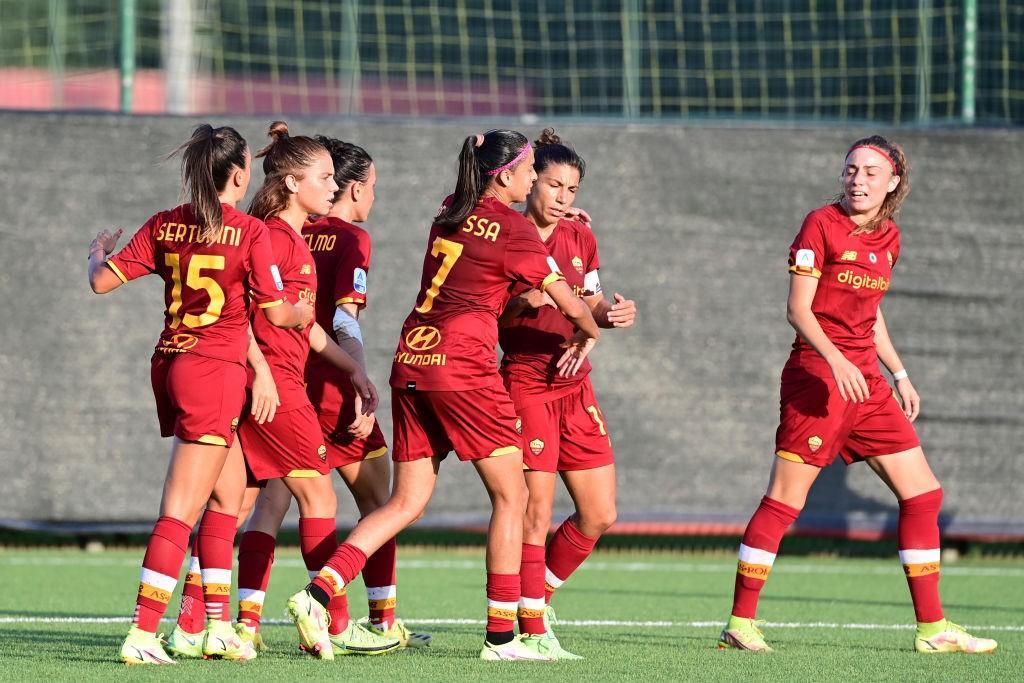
369 481
906 473
229 491
314 494
271 504
790 482
593 493
191 475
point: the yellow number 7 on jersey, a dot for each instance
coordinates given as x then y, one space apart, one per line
452 251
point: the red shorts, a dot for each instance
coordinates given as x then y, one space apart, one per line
197 398
342 449
816 423
292 445
476 424
567 433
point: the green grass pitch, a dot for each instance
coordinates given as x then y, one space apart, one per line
649 616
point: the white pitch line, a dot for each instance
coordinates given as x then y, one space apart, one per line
782 566
708 623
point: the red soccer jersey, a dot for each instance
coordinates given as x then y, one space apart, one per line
342 254
854 272
205 283
532 343
286 350
448 341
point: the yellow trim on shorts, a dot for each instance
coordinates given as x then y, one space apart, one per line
303 474
552 277
271 304
117 271
213 440
376 454
505 450
792 457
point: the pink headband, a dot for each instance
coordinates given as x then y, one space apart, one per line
880 151
519 157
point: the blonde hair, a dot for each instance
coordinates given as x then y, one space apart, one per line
893 200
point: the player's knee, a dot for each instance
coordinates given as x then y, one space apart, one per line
595 522
408 509
537 521
512 497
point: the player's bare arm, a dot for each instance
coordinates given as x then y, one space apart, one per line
622 313
102 279
265 399
891 360
849 379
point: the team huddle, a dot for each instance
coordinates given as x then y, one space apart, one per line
258 420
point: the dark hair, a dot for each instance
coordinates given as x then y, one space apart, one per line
497 148
351 162
284 156
894 200
207 160
551 151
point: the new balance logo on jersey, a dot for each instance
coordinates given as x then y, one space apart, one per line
306 269
848 255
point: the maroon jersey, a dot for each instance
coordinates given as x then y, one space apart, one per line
448 341
342 254
205 283
532 343
286 350
854 272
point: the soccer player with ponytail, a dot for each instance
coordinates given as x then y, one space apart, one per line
564 431
446 391
836 402
210 255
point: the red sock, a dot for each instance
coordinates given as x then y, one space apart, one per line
255 558
502 602
757 553
192 617
918 534
344 565
215 542
531 584
160 567
318 539
567 550
381 592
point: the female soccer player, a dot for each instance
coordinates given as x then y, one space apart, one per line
354 442
446 392
564 430
208 254
835 400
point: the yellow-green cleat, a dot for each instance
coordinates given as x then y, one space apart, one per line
311 620
945 636
399 630
142 647
184 644
252 635
742 634
223 642
547 644
358 639
555 647
513 651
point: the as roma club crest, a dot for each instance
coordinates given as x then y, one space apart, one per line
537 446
577 263
814 443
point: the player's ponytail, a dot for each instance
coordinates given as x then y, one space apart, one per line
551 151
207 161
284 156
482 157
893 200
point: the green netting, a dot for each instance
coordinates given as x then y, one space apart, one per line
898 61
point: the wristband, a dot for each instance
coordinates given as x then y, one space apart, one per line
899 374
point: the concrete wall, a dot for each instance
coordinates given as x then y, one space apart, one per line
693 222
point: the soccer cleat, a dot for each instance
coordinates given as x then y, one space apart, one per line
512 651
185 644
222 642
547 644
358 639
549 618
401 632
953 638
742 634
141 647
311 619
252 635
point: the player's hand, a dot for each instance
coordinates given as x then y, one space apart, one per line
366 393
106 241
909 398
306 313
850 381
574 213
623 311
535 298
264 397
576 350
362 426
